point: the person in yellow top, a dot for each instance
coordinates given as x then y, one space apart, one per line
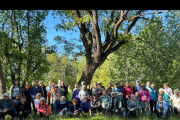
70 93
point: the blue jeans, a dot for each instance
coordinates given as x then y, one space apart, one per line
122 113
55 105
65 111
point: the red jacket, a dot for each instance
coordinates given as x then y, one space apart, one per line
127 91
42 108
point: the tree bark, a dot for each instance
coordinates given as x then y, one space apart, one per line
2 81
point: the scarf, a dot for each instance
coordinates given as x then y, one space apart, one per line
27 87
55 92
61 102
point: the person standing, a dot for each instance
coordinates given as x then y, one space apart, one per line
70 93
94 89
6 107
176 102
63 89
89 92
34 90
25 92
82 93
48 87
168 90
109 89
153 86
44 92
14 89
144 99
121 85
152 98
136 87
101 88
127 90
82 83
117 89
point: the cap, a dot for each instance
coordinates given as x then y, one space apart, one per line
116 83
99 82
6 94
137 80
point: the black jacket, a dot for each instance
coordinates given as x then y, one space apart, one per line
45 92
25 92
124 103
71 109
108 91
89 92
26 107
10 104
134 89
63 93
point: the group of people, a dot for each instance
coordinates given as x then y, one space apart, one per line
119 100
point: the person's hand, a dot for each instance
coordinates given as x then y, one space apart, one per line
99 92
130 110
105 103
5 110
159 110
75 113
90 114
163 117
116 110
122 109
95 106
107 107
127 97
170 100
20 112
82 112
117 92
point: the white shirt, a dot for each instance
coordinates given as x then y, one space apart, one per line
175 100
168 91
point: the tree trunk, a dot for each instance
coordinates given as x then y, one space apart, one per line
2 81
87 73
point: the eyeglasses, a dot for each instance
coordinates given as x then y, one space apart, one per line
142 86
56 87
17 96
62 83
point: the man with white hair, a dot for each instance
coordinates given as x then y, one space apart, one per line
176 101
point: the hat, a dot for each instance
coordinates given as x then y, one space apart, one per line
116 83
99 82
6 94
137 80
55 85
113 93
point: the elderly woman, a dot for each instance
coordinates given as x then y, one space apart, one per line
132 106
76 93
122 106
43 109
176 101
83 93
162 108
95 103
144 99
85 106
64 106
113 103
104 99
74 108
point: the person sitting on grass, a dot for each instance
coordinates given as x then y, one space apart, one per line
162 107
6 107
104 99
64 106
113 104
85 106
132 106
43 109
95 103
137 98
74 108
176 102
22 109
122 106
16 101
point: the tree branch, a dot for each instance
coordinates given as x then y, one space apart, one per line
149 44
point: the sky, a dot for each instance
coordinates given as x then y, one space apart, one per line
50 22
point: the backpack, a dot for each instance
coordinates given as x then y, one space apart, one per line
168 114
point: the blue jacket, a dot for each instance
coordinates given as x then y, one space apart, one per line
119 89
34 91
75 94
85 105
65 105
165 105
165 97
153 97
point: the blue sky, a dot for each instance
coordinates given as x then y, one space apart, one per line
51 32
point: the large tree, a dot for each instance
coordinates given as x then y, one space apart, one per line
114 24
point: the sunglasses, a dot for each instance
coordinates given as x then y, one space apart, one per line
142 86
17 96
56 87
62 83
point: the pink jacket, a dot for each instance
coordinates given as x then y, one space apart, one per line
42 108
144 95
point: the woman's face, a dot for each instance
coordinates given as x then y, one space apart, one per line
23 100
88 87
94 96
41 84
18 97
41 102
69 86
127 84
74 102
95 84
77 88
120 96
160 97
35 83
85 100
112 95
16 82
63 99
148 84
176 92
104 92
39 96
27 84
161 92
132 97
109 85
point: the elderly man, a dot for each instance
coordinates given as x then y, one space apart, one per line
6 107
63 89
176 101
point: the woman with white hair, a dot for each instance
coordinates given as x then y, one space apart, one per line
176 101
122 106
83 93
164 95
132 106
42 108
64 106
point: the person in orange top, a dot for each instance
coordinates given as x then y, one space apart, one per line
49 95
43 108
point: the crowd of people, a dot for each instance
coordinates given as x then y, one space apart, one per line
141 99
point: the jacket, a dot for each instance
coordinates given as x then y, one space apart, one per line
85 105
129 103
103 99
48 88
45 92
14 90
115 103
62 106
118 89
75 95
49 93
63 93
165 97
25 92
127 91
72 109
10 104
163 106
168 92
82 94
156 94
152 94
175 100
54 97
135 89
89 92
69 95
16 103
26 107
122 103
108 91
144 95
43 108
34 91
95 102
